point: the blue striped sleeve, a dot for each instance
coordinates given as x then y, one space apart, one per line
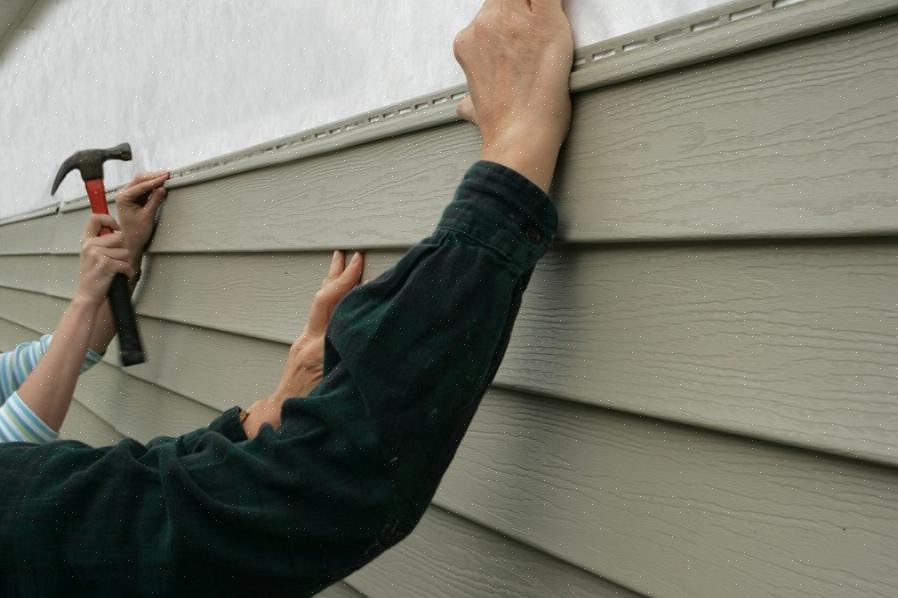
18 423
15 365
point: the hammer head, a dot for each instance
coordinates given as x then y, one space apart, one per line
90 163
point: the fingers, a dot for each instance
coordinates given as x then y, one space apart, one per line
352 274
97 223
338 264
146 176
338 284
139 189
117 253
116 239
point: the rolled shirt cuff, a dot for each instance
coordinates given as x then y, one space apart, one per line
228 424
18 423
503 210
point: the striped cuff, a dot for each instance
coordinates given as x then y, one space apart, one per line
18 423
91 359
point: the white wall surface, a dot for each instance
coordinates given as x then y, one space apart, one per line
184 81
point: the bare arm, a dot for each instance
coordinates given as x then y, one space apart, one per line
517 59
48 389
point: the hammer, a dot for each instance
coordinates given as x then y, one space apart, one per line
90 163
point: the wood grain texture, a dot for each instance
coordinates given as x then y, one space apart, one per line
673 511
136 408
33 311
448 557
216 369
794 342
592 487
83 425
36 235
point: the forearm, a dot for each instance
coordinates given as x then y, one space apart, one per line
527 150
48 389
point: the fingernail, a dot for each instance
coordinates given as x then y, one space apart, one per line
356 257
335 256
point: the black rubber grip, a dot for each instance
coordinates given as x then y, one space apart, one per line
125 322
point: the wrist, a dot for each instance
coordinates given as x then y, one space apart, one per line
85 303
530 150
535 164
82 299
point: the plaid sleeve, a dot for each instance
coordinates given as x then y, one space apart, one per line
19 424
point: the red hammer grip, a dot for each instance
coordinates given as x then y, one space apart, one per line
97 196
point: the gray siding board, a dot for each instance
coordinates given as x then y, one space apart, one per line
760 339
83 425
139 409
669 510
34 311
447 557
675 44
765 340
504 479
794 140
29 236
214 368
779 342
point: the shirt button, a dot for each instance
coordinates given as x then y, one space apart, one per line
532 235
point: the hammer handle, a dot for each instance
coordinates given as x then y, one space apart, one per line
130 347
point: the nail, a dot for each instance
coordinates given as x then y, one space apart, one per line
356 257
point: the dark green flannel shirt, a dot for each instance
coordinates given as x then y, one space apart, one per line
349 472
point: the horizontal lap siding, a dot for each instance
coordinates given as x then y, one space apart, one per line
778 341
83 425
448 557
671 510
771 340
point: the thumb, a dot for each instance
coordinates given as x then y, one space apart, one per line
466 110
155 199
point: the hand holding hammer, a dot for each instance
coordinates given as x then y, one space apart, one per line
90 164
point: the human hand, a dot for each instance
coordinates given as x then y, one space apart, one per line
102 257
305 362
517 57
137 203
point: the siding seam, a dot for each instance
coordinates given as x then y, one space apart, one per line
435 504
